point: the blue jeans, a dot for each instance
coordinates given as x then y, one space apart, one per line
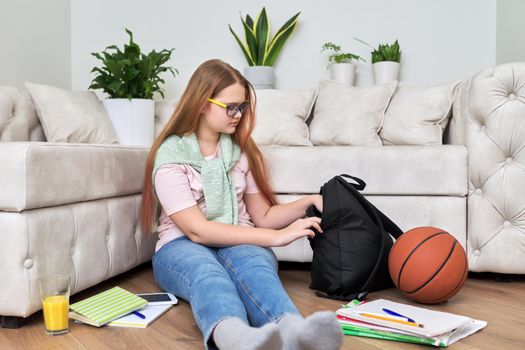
238 281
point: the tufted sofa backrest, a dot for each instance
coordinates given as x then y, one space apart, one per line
18 120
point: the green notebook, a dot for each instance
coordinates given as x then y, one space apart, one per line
106 306
371 333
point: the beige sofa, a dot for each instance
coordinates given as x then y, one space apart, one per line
73 208
479 197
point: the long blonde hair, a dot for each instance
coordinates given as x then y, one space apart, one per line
210 78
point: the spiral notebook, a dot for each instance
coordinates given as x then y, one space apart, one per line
106 306
433 327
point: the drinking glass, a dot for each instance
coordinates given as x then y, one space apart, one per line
54 292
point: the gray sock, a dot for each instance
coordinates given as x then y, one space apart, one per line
320 330
233 333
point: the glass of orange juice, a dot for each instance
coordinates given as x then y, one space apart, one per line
54 291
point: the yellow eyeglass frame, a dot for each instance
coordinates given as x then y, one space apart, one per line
225 106
217 102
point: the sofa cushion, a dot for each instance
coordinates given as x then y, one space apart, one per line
417 115
281 117
447 213
163 112
387 170
68 116
349 115
41 174
18 120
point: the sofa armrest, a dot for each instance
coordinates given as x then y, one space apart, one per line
42 174
490 121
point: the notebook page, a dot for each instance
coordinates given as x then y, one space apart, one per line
372 326
435 322
152 312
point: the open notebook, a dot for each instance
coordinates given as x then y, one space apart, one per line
151 312
443 326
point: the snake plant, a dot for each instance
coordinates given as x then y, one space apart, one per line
258 48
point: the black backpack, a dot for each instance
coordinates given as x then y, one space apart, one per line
350 257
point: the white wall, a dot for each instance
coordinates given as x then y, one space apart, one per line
35 42
510 31
441 40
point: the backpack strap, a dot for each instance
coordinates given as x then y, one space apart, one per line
373 212
360 183
389 225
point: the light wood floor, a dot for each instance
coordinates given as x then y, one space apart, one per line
501 304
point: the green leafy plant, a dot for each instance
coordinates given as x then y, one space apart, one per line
259 49
384 52
131 73
338 56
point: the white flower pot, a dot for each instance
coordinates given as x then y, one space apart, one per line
133 120
343 73
261 77
386 71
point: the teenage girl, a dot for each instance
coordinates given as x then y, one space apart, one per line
219 216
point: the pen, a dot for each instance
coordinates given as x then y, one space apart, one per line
390 319
139 314
393 313
382 315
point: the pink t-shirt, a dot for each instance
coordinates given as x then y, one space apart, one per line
179 186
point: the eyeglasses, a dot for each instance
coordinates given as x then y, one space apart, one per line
232 109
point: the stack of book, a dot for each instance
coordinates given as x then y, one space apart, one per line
384 319
119 307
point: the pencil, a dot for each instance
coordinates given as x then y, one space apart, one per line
389 319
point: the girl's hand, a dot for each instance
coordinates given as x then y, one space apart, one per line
299 228
318 202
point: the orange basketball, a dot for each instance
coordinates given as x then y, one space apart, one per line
428 265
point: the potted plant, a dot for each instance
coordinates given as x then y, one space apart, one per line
131 78
385 61
260 49
342 68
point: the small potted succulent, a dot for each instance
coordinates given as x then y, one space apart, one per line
385 61
131 78
341 64
260 49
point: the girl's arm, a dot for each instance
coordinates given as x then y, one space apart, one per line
281 215
197 227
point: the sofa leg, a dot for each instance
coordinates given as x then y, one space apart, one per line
14 321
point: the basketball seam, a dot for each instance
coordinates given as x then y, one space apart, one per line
410 254
457 287
438 270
